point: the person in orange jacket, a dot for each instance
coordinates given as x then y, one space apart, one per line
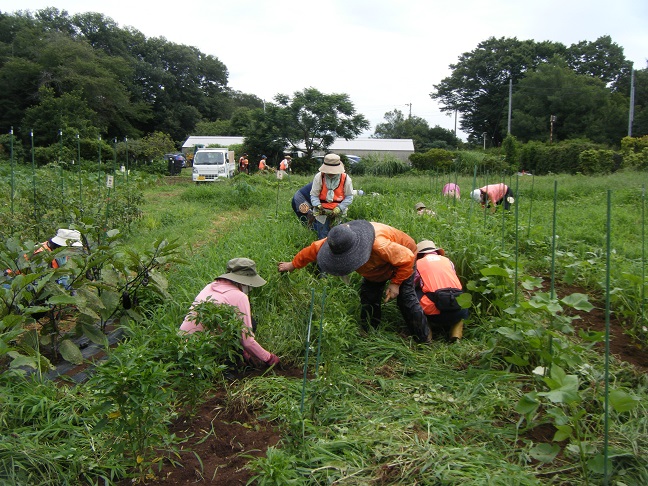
437 285
262 164
331 194
380 254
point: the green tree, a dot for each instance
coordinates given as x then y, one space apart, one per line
602 59
398 126
478 85
317 119
582 105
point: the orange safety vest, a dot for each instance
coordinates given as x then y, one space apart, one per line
262 165
338 193
45 246
283 165
436 272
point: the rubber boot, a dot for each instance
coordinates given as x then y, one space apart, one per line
456 331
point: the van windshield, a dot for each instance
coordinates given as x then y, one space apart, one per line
209 158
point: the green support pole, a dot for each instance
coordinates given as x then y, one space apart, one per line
643 254
33 163
517 227
308 332
13 179
607 340
319 337
60 161
530 205
79 172
552 293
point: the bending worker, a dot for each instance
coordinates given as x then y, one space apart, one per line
492 195
437 286
232 288
380 254
331 194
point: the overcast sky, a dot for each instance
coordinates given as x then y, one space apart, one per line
385 54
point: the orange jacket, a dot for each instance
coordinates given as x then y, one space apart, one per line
392 256
283 165
262 165
338 193
435 272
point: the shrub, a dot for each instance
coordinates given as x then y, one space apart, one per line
380 165
434 159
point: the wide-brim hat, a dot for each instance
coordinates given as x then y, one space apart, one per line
243 271
67 237
332 165
419 205
428 246
476 194
347 247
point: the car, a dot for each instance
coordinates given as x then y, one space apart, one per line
346 159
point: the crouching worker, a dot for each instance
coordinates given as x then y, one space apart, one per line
451 190
437 287
380 254
232 288
492 195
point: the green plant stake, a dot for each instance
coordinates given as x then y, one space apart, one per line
13 182
530 205
319 337
643 254
79 171
308 331
552 292
607 339
517 246
36 218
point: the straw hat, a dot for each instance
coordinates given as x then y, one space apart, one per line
347 247
428 246
63 236
332 165
243 271
419 205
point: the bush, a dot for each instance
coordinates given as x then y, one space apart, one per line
380 165
434 159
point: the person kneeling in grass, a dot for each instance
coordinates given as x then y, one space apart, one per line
437 287
232 288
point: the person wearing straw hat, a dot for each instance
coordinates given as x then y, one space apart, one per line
232 288
380 254
421 209
492 195
331 194
437 287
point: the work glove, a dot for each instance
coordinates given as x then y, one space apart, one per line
317 211
273 360
336 211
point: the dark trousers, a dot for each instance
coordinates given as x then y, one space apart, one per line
507 205
371 294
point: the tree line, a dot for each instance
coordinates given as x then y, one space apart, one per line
577 91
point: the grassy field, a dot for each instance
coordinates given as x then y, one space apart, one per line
527 397
381 409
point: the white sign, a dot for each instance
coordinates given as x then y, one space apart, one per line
123 168
110 181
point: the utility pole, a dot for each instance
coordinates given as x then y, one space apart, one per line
552 119
410 109
484 135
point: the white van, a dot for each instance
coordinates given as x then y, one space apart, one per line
210 164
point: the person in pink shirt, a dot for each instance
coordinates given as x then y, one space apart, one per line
451 190
492 195
232 288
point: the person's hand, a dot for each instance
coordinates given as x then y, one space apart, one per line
336 211
273 360
285 267
392 292
303 208
317 211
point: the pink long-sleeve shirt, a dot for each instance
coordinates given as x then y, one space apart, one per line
226 292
